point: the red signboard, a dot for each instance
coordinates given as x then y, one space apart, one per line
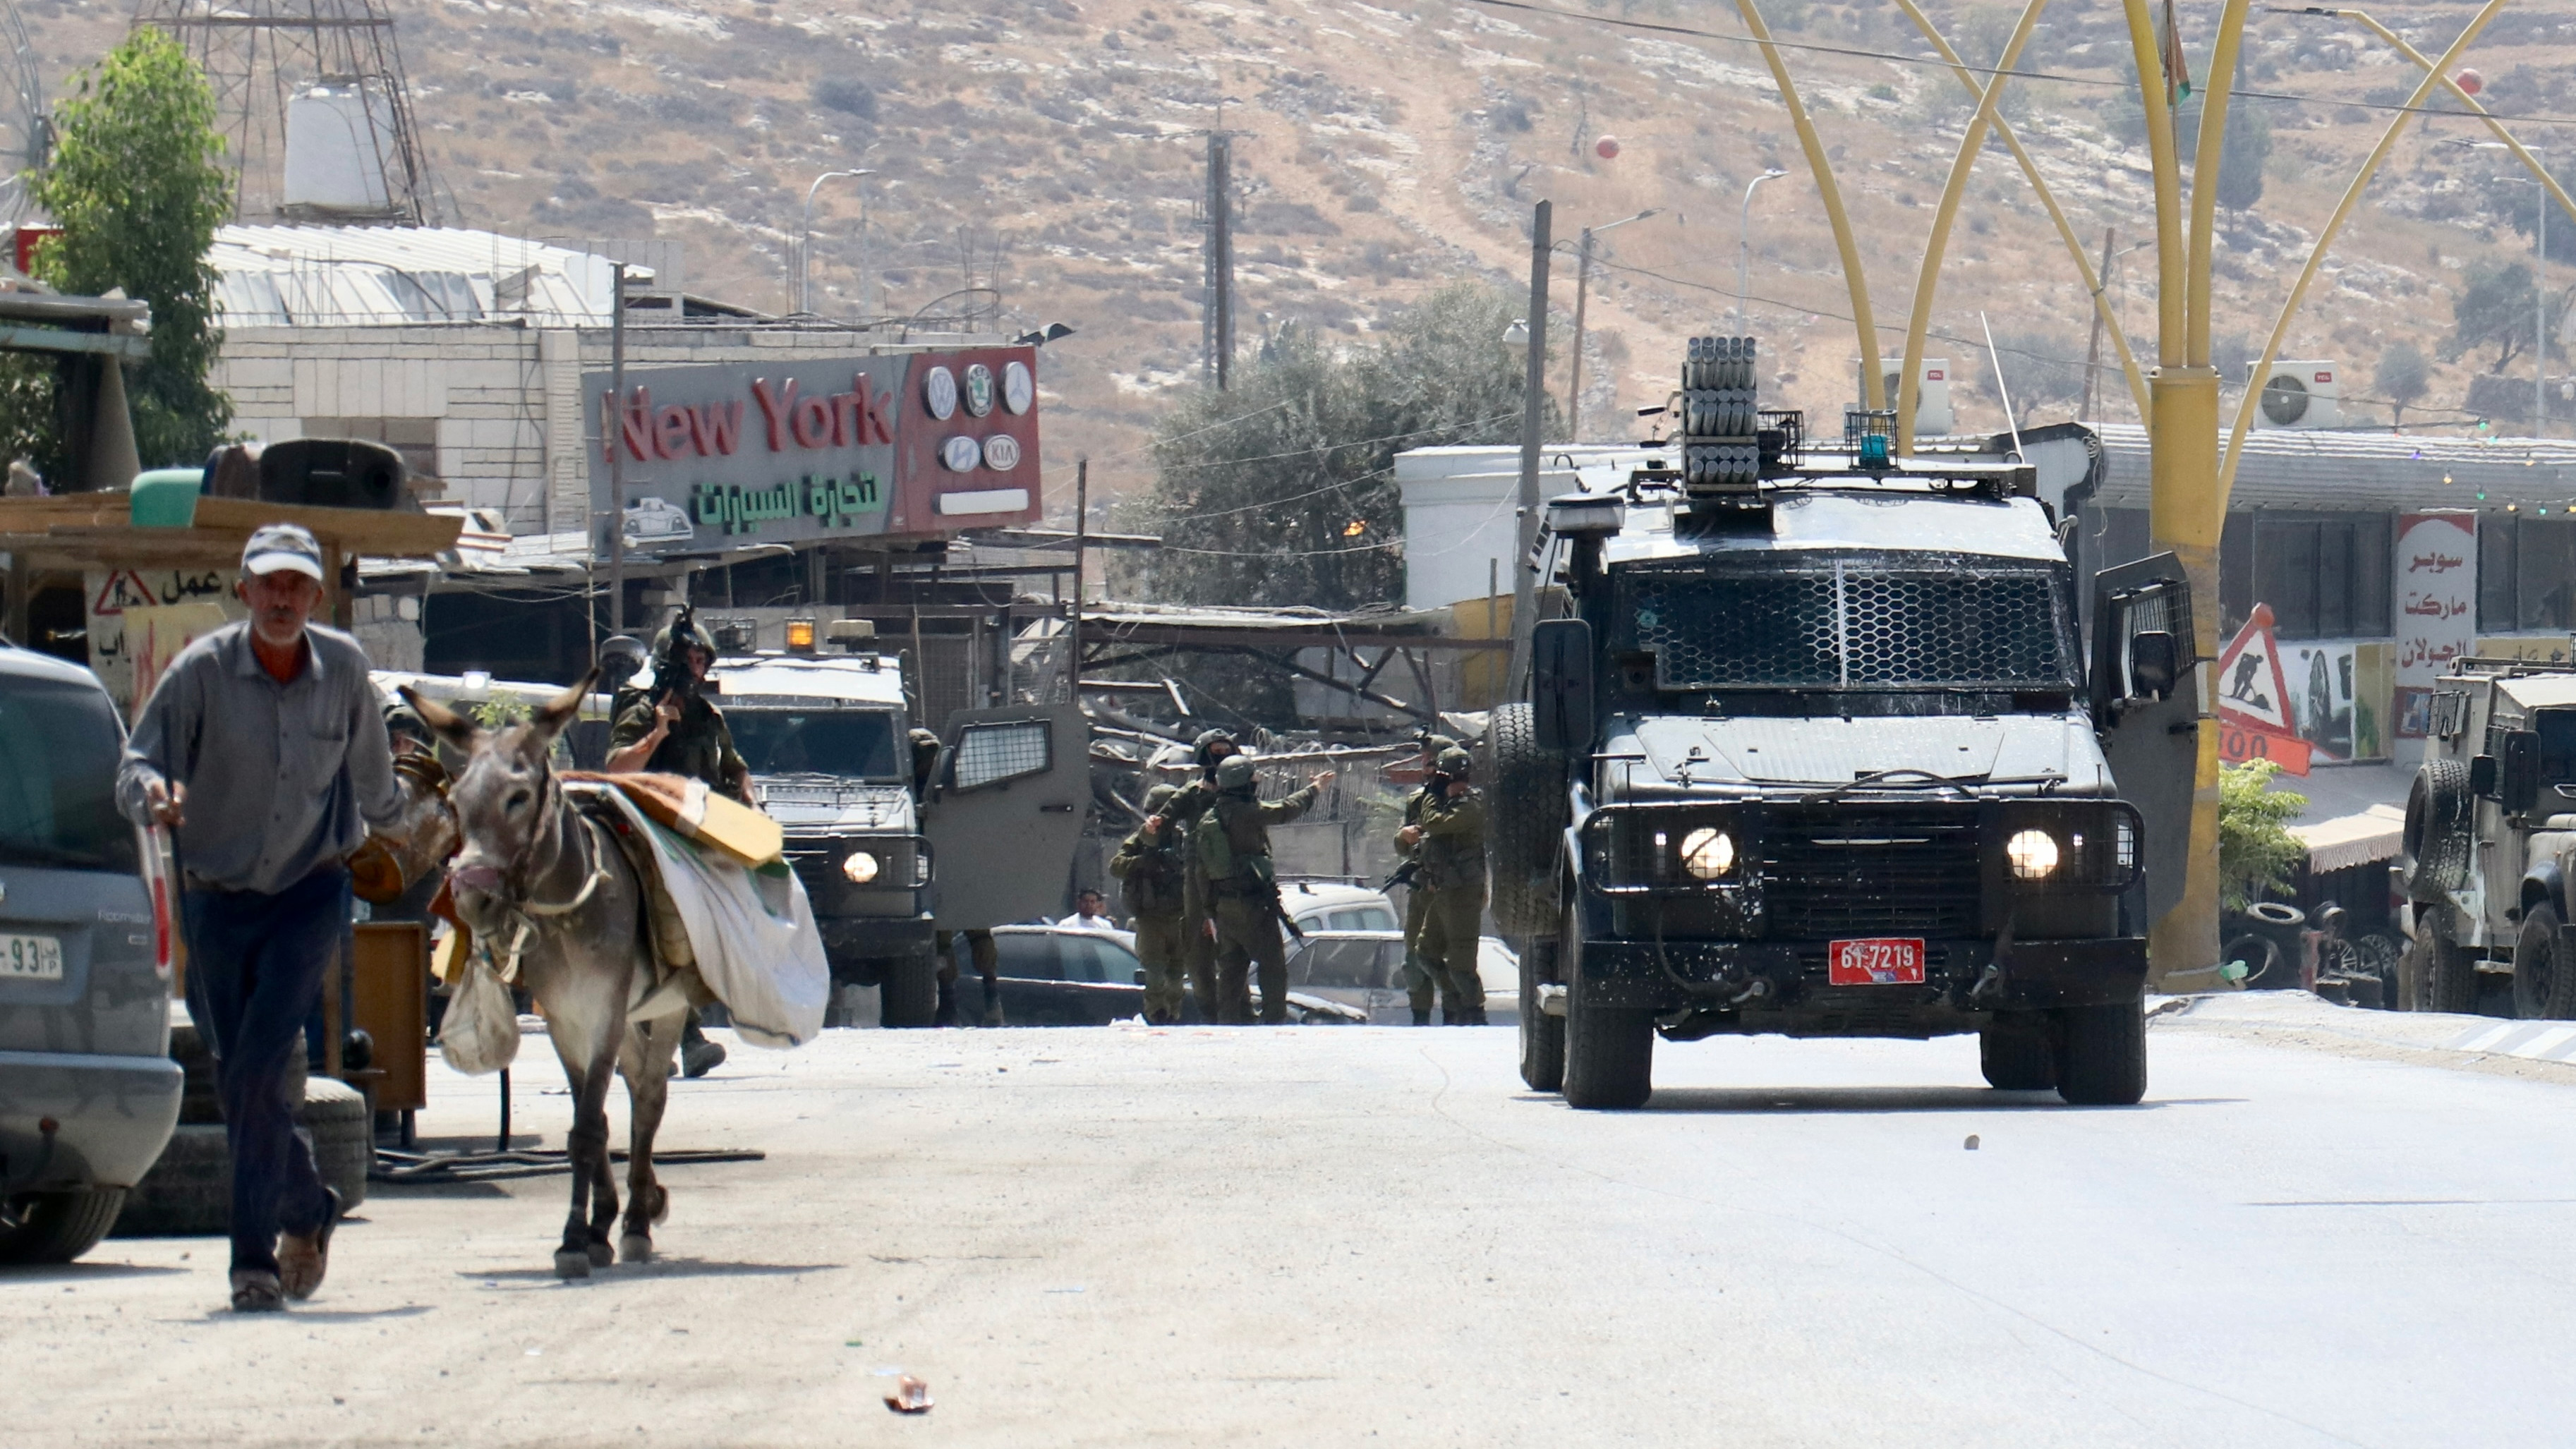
2240 743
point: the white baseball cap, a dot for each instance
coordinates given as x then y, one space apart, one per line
275 546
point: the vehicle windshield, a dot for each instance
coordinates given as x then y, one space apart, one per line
58 750
850 743
2557 731
1850 623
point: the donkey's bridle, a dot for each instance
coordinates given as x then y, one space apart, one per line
528 912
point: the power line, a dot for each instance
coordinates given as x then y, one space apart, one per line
1894 58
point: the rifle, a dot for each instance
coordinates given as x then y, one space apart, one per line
672 671
1281 912
1402 876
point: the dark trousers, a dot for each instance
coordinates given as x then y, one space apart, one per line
255 970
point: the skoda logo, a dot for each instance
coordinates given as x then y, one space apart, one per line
1001 452
960 453
1019 387
979 389
939 393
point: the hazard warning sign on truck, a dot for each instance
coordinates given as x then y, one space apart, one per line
2255 721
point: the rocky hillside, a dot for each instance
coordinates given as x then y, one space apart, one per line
1385 148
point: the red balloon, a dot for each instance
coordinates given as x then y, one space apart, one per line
1607 148
2471 82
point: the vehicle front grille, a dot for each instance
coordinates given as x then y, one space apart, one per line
1841 872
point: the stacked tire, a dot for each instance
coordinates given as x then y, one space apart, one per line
188 1192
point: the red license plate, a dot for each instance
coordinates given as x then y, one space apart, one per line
1879 961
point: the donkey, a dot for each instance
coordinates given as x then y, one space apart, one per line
540 881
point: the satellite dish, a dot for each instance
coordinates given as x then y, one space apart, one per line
2285 399
26 126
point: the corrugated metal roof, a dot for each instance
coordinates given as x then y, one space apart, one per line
2372 472
376 276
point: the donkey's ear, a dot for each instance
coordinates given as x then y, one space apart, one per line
446 723
554 714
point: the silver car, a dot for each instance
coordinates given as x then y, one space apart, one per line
88 1092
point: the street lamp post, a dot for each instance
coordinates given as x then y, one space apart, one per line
1582 282
805 238
1744 249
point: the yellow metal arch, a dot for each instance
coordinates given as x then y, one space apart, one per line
2529 162
1872 390
2204 178
2235 450
2048 201
1909 383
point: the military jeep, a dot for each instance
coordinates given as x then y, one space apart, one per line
2490 829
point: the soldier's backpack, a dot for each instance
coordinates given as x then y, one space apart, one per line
1215 852
1153 885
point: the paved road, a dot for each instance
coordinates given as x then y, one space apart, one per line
2308 1235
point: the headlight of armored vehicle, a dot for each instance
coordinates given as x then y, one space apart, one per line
2033 854
1709 854
859 866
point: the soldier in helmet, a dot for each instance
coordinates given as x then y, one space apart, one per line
1198 930
670 728
1148 867
1419 981
1451 885
1232 843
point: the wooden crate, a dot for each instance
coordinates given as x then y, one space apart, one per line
390 1002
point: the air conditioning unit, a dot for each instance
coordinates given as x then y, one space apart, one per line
2300 395
1932 414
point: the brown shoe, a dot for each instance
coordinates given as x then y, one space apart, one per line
302 1258
255 1292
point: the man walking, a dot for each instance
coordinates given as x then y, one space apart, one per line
1452 888
263 746
1419 983
1148 867
1233 842
671 728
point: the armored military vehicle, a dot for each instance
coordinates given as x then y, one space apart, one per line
2490 829
1810 745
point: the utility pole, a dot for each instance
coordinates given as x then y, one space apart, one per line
1081 553
1574 379
612 425
2093 349
1533 411
1218 323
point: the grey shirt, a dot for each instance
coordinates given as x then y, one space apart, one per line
279 776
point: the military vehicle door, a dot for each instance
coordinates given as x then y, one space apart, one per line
1005 812
2146 701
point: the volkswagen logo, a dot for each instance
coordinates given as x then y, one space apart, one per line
939 393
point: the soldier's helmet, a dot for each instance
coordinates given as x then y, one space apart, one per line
699 637
1454 763
1158 797
1235 774
1437 745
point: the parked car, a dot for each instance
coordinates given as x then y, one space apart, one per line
1067 976
1364 970
1332 906
88 1092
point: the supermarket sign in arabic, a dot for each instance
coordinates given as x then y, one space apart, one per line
727 454
2437 599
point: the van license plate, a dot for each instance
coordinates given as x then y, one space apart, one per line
1879 961
31 958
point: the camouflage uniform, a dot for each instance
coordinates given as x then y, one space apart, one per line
1149 867
1452 887
1245 895
1191 802
699 745
1419 982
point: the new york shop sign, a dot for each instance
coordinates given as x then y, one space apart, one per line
729 453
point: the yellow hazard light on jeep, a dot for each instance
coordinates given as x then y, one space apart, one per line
800 635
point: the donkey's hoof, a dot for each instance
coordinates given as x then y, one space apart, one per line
600 1255
571 1264
635 1248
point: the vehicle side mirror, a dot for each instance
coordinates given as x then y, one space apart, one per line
2153 665
2482 776
1561 684
2518 772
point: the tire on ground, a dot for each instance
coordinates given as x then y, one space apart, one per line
344 1136
1542 1035
188 1192
2435 846
2544 975
56 1227
2016 1061
1527 824
2102 1054
1609 1050
910 994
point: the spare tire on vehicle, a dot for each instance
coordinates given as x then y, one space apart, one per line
2434 850
1526 825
